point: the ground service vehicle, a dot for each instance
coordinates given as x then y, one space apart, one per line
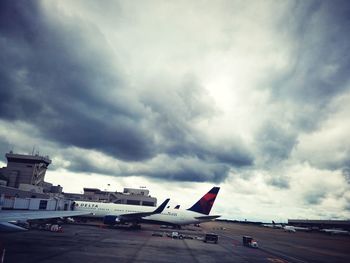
176 235
210 237
250 242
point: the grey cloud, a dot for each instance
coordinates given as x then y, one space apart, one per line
323 59
274 142
79 163
58 75
176 105
340 161
237 155
234 154
170 169
4 148
347 204
328 214
194 172
279 182
343 165
346 173
57 78
315 196
176 109
319 69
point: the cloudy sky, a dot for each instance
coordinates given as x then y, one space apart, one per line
179 96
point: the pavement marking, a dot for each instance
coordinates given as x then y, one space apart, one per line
277 260
273 252
190 251
282 255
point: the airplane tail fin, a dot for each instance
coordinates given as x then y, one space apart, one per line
205 204
160 208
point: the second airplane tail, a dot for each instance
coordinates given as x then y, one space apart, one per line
205 204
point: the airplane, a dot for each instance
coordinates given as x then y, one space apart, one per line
286 228
289 229
8 218
114 214
273 225
333 231
293 229
276 225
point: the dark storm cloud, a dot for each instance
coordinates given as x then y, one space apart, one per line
176 110
193 172
321 62
58 76
304 91
189 170
233 154
55 77
275 142
78 163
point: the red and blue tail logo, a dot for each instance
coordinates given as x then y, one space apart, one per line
205 204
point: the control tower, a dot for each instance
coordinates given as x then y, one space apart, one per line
25 169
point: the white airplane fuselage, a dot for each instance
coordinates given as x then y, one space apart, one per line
335 231
289 229
272 225
168 216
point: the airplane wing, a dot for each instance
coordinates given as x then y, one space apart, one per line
111 219
7 216
206 217
158 210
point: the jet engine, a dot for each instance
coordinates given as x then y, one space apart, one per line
111 220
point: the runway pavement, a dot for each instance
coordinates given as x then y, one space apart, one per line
292 247
86 243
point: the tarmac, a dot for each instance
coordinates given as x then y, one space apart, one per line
94 243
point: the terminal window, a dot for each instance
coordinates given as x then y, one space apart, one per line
146 203
133 202
42 204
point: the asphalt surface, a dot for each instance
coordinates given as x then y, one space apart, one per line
86 243
291 247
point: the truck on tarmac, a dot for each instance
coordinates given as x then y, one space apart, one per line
248 241
211 237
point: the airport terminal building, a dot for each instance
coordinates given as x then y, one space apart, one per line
23 186
130 196
321 224
27 173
